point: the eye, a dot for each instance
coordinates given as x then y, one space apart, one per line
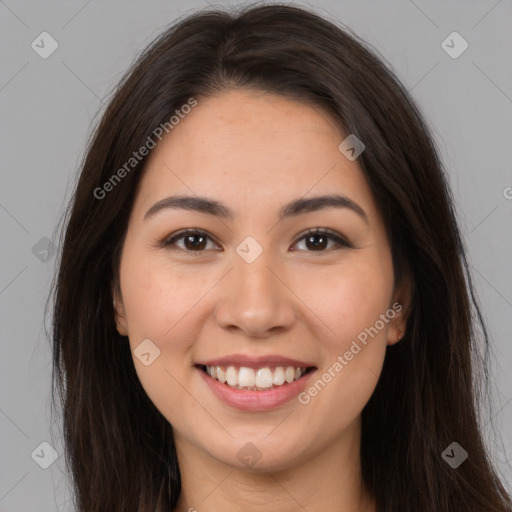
318 239
196 240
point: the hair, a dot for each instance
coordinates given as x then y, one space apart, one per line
119 447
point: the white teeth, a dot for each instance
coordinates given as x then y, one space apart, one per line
232 376
278 376
289 374
246 377
264 378
260 379
221 376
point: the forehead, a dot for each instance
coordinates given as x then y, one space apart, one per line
252 148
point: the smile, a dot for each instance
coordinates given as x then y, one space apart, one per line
255 384
259 379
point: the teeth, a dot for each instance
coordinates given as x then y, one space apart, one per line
264 378
231 376
278 376
221 376
248 378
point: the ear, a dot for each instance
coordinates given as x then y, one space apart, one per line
400 304
119 312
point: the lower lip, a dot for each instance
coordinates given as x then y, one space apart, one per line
256 401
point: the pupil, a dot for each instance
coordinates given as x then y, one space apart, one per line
193 245
317 245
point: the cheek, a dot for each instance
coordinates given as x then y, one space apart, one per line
160 303
164 386
356 297
156 296
355 347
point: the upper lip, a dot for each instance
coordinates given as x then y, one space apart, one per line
255 361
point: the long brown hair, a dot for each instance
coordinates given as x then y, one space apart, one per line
119 447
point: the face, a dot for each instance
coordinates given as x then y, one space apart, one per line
294 305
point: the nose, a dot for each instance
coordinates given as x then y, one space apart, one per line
256 299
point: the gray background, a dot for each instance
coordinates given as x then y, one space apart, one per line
48 105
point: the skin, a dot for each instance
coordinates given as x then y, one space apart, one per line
255 152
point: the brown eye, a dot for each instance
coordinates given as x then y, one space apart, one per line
317 240
193 240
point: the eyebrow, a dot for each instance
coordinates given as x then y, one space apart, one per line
292 209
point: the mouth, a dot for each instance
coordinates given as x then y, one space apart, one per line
255 384
255 379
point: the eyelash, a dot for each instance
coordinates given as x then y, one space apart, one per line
171 241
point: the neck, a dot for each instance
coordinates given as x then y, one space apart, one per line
331 480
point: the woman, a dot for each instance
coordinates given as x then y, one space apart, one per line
263 297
